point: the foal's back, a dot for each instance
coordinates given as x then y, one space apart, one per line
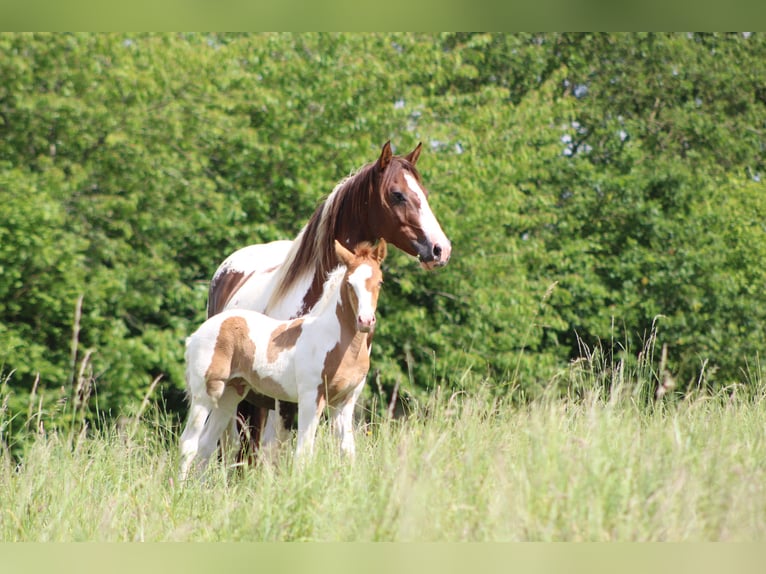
244 344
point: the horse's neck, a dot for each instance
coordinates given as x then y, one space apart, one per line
354 233
339 217
354 224
349 232
292 303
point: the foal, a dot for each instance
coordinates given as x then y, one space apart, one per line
321 358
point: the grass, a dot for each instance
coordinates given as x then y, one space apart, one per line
464 467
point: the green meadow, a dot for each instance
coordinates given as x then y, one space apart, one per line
462 466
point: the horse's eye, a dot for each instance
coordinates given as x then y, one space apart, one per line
398 197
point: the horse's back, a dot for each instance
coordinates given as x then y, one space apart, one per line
241 281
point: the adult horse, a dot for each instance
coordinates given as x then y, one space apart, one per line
384 199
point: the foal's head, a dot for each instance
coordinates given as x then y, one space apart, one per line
362 280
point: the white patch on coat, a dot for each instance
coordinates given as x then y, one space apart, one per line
428 222
256 258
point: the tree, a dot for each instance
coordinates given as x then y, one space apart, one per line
586 180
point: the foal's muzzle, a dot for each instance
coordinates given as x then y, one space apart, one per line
365 324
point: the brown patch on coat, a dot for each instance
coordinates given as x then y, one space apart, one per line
271 388
347 363
222 289
284 337
234 351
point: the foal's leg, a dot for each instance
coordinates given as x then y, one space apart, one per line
189 444
310 408
219 419
343 422
230 444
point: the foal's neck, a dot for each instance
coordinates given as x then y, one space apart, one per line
346 312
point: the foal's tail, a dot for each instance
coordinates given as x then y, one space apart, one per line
199 378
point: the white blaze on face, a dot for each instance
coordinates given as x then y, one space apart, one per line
428 222
358 281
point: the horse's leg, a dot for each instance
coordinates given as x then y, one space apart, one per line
343 422
279 421
287 412
252 414
219 419
230 444
310 408
248 425
189 444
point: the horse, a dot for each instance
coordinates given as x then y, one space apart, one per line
385 199
316 360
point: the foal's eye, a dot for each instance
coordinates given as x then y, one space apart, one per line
398 197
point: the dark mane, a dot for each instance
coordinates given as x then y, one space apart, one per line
345 211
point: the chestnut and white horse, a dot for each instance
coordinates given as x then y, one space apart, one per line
319 359
385 199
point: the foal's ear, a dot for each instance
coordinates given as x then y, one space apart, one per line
345 256
413 156
380 251
385 155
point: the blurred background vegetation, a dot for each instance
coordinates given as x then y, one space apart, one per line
593 185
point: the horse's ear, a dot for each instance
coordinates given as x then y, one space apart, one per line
380 250
413 156
385 155
345 256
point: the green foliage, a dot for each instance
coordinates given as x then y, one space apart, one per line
661 188
590 183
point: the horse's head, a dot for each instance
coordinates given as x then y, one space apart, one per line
363 279
400 212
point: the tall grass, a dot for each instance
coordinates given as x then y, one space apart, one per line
610 452
462 467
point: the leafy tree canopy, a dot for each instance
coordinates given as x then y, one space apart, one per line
590 183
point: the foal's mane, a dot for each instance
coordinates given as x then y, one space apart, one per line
330 291
313 249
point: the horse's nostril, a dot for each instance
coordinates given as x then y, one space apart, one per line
437 251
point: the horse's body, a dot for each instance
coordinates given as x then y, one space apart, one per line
283 279
316 360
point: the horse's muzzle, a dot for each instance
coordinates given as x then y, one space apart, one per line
432 255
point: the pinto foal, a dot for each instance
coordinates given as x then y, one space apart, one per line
316 360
